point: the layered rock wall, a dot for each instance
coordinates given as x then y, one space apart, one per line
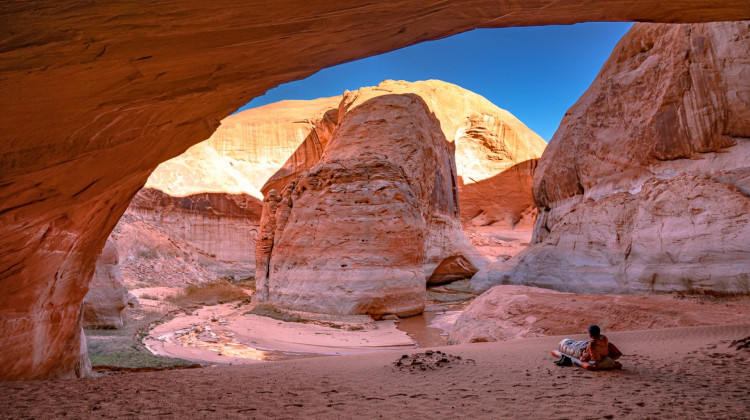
644 187
358 232
212 234
96 95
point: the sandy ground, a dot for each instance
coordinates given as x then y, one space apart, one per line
681 372
229 334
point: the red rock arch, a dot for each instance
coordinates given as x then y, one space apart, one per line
94 97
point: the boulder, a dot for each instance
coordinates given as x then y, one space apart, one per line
360 231
645 187
511 312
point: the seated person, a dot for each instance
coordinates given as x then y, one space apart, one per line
597 353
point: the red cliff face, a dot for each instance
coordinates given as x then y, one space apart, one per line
644 187
204 201
95 96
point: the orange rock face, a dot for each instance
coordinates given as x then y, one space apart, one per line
174 241
645 185
354 233
495 155
95 96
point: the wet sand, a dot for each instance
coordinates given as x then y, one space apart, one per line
680 372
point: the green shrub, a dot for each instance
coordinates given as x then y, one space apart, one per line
212 293
274 313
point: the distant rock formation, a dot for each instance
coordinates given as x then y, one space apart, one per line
357 232
107 296
372 213
174 241
645 187
198 217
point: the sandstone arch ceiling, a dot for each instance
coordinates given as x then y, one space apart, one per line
96 95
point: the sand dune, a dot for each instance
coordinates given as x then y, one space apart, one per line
680 372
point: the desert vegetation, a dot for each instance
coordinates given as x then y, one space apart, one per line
212 293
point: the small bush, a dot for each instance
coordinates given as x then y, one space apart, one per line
274 313
248 283
212 293
147 253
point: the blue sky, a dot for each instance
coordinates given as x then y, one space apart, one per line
536 73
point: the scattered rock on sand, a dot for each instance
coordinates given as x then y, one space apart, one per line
429 360
743 343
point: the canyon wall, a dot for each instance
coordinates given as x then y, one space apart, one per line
645 186
96 95
197 218
169 240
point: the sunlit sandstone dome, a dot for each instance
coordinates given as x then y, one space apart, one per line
244 152
251 146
